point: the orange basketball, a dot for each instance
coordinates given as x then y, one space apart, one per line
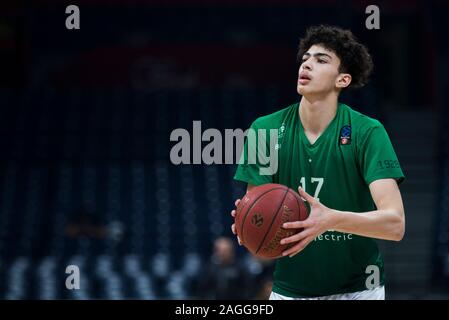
261 214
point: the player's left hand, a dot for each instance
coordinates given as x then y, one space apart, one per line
319 221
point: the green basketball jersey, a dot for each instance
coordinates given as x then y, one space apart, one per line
352 152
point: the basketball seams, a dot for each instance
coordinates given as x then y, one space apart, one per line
272 221
250 207
298 199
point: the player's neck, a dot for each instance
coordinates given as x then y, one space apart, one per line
316 114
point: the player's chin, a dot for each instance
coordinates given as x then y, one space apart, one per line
302 90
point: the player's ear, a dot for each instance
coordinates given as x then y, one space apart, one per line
343 80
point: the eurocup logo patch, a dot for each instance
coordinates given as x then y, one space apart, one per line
345 135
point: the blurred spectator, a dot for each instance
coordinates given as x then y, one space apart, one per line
264 289
223 277
261 274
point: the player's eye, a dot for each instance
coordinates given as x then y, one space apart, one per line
322 61
303 60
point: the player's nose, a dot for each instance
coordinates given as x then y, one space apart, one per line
305 66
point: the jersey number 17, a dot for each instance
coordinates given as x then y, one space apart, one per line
313 180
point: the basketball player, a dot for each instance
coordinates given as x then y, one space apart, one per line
346 169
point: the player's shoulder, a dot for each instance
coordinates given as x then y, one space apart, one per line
277 118
361 123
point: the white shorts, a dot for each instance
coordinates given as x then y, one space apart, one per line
373 294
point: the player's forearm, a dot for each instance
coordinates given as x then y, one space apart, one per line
387 224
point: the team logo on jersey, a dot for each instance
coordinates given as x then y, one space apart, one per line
345 135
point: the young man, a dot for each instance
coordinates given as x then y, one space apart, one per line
346 169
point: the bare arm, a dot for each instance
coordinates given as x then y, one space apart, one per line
387 222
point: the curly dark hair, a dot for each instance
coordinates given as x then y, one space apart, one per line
353 55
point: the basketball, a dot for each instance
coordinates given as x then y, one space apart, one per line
261 214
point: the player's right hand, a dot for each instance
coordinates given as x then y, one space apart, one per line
233 225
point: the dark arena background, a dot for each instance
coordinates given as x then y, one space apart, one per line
86 117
